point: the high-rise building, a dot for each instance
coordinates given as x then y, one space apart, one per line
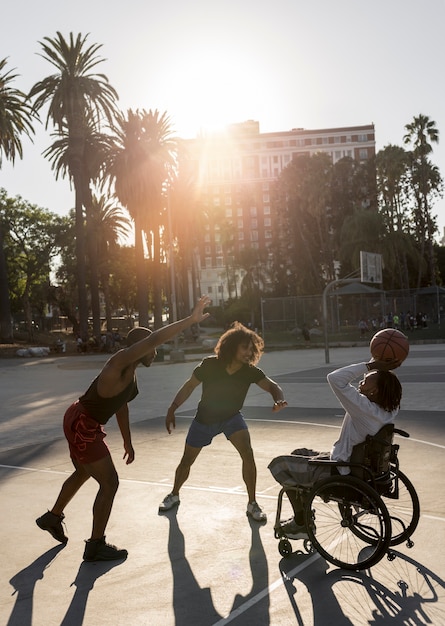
235 171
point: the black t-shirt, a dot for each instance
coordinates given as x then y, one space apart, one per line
101 409
223 394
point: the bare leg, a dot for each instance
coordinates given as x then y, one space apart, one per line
183 469
241 441
70 487
104 472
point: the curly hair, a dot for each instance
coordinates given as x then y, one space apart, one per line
389 392
239 335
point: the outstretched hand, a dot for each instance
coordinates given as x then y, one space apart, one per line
198 314
278 405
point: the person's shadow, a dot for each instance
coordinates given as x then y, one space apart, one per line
84 582
24 583
193 604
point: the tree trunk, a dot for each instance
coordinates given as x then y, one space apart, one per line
5 306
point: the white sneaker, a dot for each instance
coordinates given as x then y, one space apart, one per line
256 512
169 502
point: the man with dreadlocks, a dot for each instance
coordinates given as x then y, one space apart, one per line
368 407
226 378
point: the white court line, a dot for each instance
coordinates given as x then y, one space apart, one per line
262 594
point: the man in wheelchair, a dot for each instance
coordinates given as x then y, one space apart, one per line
371 405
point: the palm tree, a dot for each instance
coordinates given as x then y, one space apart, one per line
78 99
421 133
107 225
139 168
15 119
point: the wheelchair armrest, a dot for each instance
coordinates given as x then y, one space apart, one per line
364 468
400 432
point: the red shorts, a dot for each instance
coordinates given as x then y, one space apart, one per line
85 435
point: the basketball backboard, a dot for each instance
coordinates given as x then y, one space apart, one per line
370 267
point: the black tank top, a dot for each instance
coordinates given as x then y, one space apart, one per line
101 409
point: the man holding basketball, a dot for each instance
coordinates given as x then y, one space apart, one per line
368 407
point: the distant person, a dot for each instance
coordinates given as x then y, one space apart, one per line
108 394
225 378
306 334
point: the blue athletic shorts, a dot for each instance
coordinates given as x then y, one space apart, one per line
200 435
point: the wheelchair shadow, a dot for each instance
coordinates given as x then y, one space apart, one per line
193 604
399 592
24 583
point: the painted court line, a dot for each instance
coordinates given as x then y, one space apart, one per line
265 592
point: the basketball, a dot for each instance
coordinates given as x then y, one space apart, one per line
389 344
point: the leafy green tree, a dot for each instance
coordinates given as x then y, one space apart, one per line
78 100
394 191
304 222
427 184
32 244
16 118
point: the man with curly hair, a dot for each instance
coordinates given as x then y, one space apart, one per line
226 378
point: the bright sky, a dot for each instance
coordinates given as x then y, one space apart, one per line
209 63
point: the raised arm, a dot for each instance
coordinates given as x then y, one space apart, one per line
141 348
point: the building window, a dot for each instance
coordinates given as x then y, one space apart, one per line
254 223
208 261
228 212
218 249
207 237
363 137
240 235
219 261
266 197
253 235
239 211
253 211
209 289
207 249
363 153
267 221
266 209
240 224
268 234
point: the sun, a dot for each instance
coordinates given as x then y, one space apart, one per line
211 90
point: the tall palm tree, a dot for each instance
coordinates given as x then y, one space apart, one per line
78 98
139 168
16 118
421 133
107 225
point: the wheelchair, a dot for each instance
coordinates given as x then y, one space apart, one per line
354 519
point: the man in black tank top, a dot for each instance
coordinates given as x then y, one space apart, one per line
108 395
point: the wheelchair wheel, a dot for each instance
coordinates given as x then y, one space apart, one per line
348 522
404 511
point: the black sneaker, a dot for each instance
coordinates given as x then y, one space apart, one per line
98 550
53 524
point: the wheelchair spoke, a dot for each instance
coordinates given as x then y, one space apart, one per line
352 533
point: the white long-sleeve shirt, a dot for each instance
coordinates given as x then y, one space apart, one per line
362 416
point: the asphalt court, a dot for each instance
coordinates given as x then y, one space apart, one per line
206 563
